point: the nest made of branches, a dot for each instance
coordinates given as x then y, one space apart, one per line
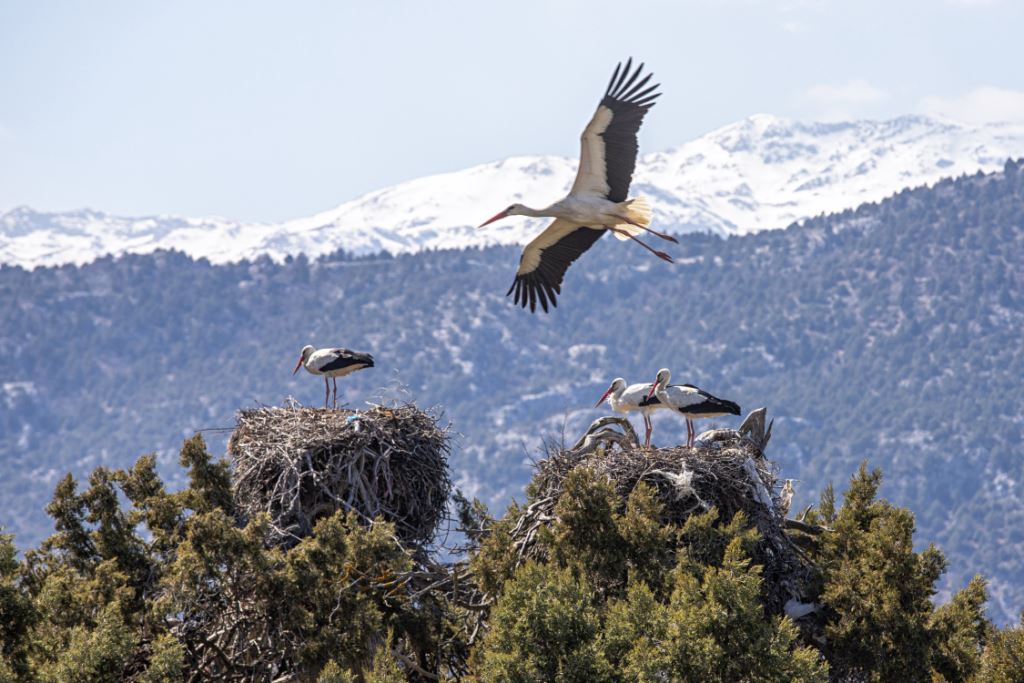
725 470
300 464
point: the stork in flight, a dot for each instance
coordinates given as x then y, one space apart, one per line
599 198
635 397
332 363
690 401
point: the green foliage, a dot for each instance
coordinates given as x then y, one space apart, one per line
383 669
592 533
544 628
340 552
636 626
332 673
713 629
210 482
143 585
586 529
648 542
1003 659
166 662
68 512
7 672
385 666
720 633
17 615
96 653
610 606
881 623
960 630
494 559
705 541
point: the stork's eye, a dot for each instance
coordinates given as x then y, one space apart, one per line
511 206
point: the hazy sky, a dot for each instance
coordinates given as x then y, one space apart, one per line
271 110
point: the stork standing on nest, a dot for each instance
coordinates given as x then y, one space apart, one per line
635 397
332 363
689 401
599 198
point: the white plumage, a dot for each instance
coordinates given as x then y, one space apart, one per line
690 401
633 398
332 363
598 201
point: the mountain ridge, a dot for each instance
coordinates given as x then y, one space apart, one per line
762 172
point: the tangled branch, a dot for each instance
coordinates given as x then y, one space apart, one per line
300 464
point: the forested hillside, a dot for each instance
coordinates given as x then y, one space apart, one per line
889 333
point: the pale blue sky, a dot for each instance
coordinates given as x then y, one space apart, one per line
270 110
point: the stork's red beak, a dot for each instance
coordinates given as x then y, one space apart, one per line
603 397
495 217
654 385
297 365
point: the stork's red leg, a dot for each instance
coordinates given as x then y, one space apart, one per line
334 380
650 429
660 254
662 235
327 391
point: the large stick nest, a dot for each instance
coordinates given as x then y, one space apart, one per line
726 470
300 464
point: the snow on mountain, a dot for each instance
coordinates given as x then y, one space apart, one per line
760 173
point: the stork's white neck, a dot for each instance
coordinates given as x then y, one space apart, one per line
661 387
534 213
615 397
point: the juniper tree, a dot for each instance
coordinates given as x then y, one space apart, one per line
145 585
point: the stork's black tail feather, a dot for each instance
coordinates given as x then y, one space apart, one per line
712 405
730 407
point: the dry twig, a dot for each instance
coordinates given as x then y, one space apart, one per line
300 464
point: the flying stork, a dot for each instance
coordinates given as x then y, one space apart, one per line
690 401
635 397
333 363
599 198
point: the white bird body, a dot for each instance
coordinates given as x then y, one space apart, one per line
633 398
690 401
586 210
630 399
332 363
336 362
599 199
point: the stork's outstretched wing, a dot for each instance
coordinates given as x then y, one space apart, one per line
545 260
608 144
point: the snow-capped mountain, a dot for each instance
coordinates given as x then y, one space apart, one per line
760 173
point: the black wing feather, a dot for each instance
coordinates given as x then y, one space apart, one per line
711 403
629 104
652 401
345 358
546 278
